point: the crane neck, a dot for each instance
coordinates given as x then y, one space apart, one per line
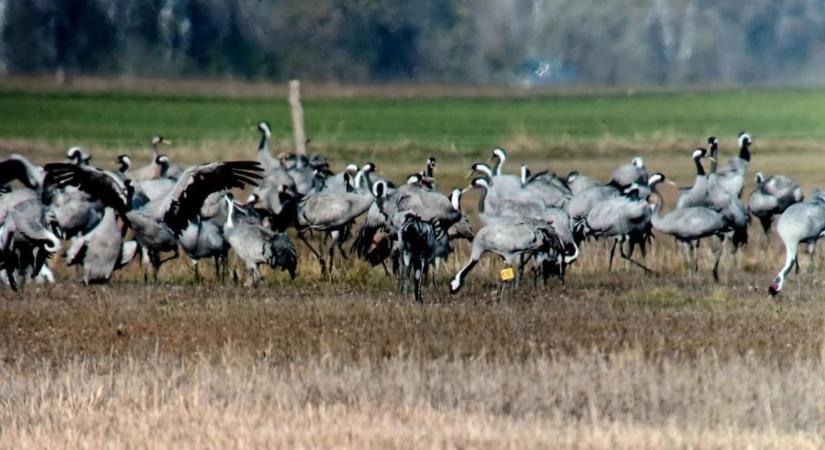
714 161
499 164
481 200
229 213
360 178
368 180
263 146
745 151
700 170
455 200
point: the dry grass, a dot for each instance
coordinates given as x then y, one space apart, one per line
610 361
237 399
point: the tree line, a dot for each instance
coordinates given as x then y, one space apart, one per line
621 42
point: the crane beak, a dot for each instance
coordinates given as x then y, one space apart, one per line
671 182
712 158
469 174
165 142
466 190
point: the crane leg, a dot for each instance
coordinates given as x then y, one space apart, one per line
811 253
342 238
220 267
419 271
197 272
331 253
717 248
519 271
634 262
734 248
314 252
145 263
175 254
612 252
766 225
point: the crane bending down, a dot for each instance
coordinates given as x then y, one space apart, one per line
800 223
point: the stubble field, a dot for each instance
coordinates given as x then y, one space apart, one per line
609 360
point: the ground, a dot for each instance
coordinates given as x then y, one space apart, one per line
608 360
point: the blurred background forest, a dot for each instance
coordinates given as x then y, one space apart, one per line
512 42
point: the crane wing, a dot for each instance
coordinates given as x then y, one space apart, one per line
13 168
104 186
183 203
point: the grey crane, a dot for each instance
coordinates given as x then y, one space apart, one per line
624 219
546 187
76 211
422 218
256 244
582 202
728 204
429 171
506 183
376 239
801 223
333 213
153 170
732 175
513 242
688 225
544 177
34 222
420 243
512 209
461 229
303 175
510 201
279 207
102 250
578 182
78 156
378 236
203 238
268 162
697 194
159 223
341 182
771 196
167 169
26 236
493 205
124 164
157 187
628 174
276 177
367 176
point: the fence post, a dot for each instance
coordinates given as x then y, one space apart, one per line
298 132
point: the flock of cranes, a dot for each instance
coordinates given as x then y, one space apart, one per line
105 219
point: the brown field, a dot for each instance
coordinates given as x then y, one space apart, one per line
608 360
242 88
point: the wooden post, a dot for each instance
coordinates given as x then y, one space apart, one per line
298 131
